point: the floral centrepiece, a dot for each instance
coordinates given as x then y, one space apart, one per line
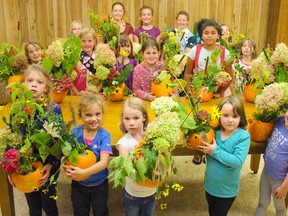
60 61
151 161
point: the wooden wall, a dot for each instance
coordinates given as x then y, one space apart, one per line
44 20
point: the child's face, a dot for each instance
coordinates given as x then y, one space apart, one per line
117 12
225 31
88 43
127 48
229 120
76 29
151 56
133 121
146 16
182 21
210 35
246 49
36 83
286 119
92 116
34 53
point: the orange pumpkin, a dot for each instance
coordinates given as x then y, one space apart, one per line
30 182
84 161
250 93
117 94
205 96
14 78
58 97
149 183
160 89
260 131
196 139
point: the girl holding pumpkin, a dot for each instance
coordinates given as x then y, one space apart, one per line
124 54
274 177
137 199
38 81
145 71
92 191
226 156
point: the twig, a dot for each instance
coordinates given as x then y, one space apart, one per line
71 107
181 59
206 66
264 51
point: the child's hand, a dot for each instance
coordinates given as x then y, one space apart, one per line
280 192
207 147
74 172
46 170
152 97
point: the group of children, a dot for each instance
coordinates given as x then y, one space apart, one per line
225 156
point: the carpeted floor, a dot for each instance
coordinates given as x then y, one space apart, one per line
189 202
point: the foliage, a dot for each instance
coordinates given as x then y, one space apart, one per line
12 61
279 59
105 27
60 61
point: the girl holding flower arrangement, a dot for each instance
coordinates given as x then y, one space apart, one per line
39 82
226 156
85 65
137 199
124 54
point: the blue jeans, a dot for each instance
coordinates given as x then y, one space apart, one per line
139 206
84 197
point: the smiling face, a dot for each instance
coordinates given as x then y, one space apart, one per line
246 49
88 43
146 16
133 121
210 35
118 12
182 21
229 120
151 56
36 83
34 53
92 116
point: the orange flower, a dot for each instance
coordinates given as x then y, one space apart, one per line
105 18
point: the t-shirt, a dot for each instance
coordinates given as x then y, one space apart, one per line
276 154
101 144
153 32
128 142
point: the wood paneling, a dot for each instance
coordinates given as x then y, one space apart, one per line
44 20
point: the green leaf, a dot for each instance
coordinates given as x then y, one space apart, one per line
47 63
66 148
44 152
141 168
73 157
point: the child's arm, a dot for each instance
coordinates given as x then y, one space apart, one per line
188 73
281 191
74 90
122 150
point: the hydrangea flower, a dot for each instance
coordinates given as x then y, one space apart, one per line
280 55
104 56
163 104
55 52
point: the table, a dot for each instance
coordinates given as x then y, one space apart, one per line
110 122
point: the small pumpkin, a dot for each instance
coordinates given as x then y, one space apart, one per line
205 95
84 161
30 182
259 131
14 78
117 94
160 89
196 139
250 93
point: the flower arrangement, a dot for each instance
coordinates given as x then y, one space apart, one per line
171 46
105 27
152 161
12 61
32 134
279 59
271 101
60 61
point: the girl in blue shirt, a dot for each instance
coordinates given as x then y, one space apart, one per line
92 191
227 155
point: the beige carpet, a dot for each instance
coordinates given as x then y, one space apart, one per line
190 201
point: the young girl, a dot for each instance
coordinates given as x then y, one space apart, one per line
225 33
33 52
186 40
247 55
124 54
75 27
146 16
118 12
274 178
38 81
145 71
94 190
227 154
137 199
85 65
209 31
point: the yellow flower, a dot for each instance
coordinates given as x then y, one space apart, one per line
28 101
54 197
177 187
163 206
35 189
215 113
44 191
242 36
22 120
123 52
165 193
